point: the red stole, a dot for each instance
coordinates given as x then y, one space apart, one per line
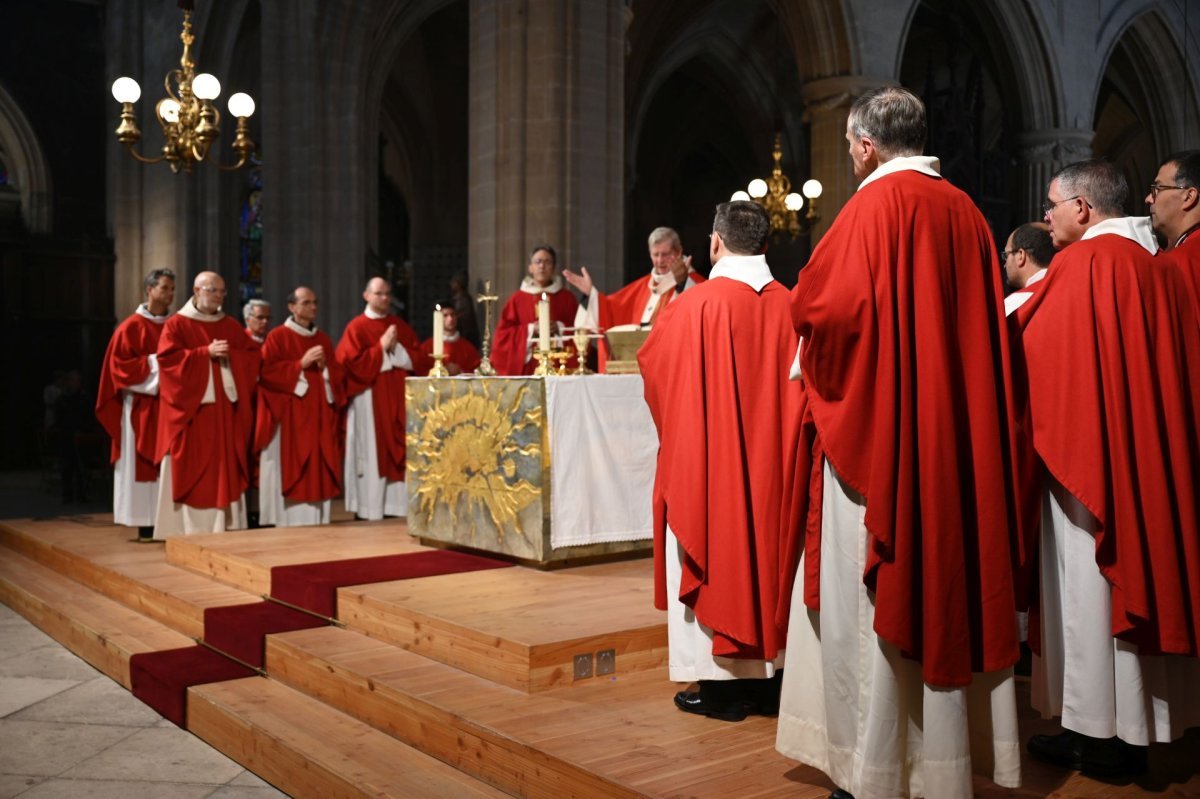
715 370
125 365
360 356
309 451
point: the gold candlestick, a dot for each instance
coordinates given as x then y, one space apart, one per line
544 368
488 300
438 370
562 356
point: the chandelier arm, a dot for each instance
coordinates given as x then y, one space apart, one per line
138 156
167 84
233 167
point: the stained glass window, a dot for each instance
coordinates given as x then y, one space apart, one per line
250 232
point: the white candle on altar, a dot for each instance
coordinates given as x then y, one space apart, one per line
544 323
439 330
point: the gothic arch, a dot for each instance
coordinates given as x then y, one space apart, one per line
27 165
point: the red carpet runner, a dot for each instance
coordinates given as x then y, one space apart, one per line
161 679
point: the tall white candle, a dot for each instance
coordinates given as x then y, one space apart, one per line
438 331
544 323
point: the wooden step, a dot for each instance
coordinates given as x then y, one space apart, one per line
308 749
521 627
244 559
103 632
103 557
618 737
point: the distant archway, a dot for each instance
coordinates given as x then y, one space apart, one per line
28 173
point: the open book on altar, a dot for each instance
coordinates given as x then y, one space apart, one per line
624 342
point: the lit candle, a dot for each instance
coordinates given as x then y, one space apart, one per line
544 323
438 331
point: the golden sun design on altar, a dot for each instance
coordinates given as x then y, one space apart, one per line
471 447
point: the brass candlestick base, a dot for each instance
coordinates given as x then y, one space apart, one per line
438 370
561 356
544 368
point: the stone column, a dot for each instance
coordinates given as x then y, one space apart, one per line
1041 153
546 136
827 102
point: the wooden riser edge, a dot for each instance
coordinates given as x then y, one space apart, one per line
102 632
235 572
146 600
468 746
312 750
531 669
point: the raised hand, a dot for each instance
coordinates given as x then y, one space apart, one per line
580 280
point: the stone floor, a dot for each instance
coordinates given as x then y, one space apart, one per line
66 730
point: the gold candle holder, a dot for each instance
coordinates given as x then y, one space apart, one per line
438 369
561 356
544 367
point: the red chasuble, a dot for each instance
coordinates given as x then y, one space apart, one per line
360 356
209 443
125 365
906 378
459 351
512 331
715 368
309 450
1113 353
1186 259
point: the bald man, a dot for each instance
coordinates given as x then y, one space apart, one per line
378 351
207 372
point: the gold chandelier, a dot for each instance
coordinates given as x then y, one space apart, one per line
189 120
782 204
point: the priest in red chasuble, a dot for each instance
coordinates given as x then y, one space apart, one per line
640 302
208 369
300 398
903 628
715 370
461 356
377 352
1112 347
1174 203
516 332
127 403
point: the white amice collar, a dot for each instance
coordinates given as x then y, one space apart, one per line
190 310
925 164
291 324
143 311
1134 228
529 286
749 269
1036 276
372 315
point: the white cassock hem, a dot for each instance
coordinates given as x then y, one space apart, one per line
366 493
174 518
854 708
273 507
133 501
1100 685
689 642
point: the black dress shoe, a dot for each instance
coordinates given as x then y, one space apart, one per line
726 700
838 793
1099 757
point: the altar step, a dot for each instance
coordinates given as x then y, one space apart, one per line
613 737
308 749
100 630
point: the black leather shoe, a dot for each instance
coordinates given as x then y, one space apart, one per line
726 700
1099 757
838 793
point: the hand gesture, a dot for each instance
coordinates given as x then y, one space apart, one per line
314 355
388 339
580 280
219 348
680 268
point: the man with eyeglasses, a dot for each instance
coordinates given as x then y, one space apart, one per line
127 404
903 625
207 371
1174 202
1025 257
257 314
1112 346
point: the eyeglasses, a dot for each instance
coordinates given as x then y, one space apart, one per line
1155 189
1005 253
1049 204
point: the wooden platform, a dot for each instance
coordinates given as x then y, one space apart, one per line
458 685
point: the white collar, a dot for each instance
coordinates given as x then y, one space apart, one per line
455 336
372 315
530 287
925 164
1036 276
1135 228
749 269
291 324
142 310
190 310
